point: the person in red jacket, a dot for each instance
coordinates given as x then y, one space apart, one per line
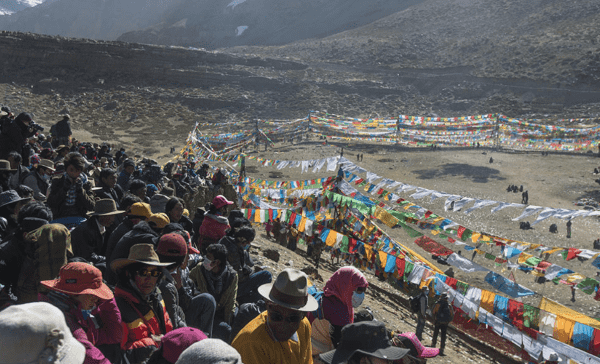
90 311
143 312
215 224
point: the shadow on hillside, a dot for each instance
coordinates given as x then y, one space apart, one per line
476 174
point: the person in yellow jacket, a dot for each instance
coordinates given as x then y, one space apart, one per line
281 334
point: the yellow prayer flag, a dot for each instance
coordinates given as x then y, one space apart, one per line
574 277
331 238
382 258
554 250
523 257
475 236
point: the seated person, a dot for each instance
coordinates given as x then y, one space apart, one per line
71 194
184 309
237 256
143 312
215 225
90 310
216 277
344 291
281 334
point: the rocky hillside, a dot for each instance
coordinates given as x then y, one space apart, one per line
8 7
554 41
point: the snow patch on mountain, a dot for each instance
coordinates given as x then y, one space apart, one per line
10 7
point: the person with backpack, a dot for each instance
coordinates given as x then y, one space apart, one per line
423 305
443 314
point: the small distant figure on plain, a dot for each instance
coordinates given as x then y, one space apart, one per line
358 157
553 229
569 223
573 289
525 197
342 152
596 170
491 160
361 157
521 188
597 245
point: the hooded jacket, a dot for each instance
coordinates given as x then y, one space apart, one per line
226 302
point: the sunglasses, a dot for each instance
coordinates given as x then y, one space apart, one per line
292 319
148 273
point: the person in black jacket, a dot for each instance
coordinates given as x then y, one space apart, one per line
71 194
89 238
237 245
108 181
63 130
38 179
14 135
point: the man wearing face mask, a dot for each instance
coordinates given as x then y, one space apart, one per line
39 179
281 334
238 257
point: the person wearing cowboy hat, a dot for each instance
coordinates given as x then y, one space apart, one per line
39 179
61 153
364 342
90 310
10 205
5 173
89 238
144 315
281 334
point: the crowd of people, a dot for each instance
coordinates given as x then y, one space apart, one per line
101 263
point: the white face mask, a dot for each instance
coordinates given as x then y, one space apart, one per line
357 298
208 264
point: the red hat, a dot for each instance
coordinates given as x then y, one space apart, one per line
220 201
80 278
172 245
176 341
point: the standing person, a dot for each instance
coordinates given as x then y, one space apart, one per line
14 136
524 197
63 130
144 315
569 223
90 310
443 314
423 305
292 237
281 334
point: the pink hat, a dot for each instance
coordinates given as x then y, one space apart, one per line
220 201
176 341
422 350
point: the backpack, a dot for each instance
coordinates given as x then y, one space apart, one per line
318 295
444 315
415 303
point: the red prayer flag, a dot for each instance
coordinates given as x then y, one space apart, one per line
400 263
572 253
461 231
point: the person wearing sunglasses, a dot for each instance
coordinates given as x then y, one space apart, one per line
143 312
281 334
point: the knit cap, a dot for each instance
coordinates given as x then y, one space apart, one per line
210 351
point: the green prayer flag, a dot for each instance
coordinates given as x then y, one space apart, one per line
531 317
344 244
588 285
533 261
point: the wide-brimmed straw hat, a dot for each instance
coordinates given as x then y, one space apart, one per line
290 290
37 333
105 207
47 163
139 253
80 278
5 166
367 337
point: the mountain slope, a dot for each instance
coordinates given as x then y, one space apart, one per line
95 19
545 40
8 7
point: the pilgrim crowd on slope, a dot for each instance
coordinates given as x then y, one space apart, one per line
100 263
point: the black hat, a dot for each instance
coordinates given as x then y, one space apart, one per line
128 163
24 117
368 337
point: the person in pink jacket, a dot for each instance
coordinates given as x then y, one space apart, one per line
215 224
90 311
